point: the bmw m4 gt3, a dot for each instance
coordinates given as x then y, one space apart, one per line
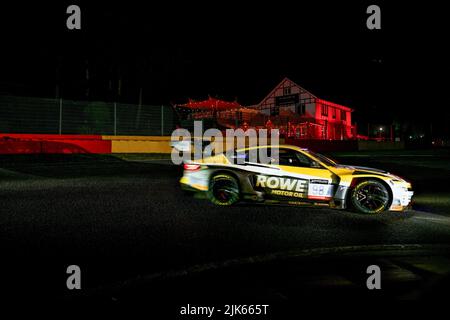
300 177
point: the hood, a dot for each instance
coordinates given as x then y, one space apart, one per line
366 169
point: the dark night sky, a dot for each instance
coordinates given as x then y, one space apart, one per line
229 50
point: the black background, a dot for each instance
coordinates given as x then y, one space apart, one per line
227 49
232 49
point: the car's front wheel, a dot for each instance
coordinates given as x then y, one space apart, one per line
223 190
370 196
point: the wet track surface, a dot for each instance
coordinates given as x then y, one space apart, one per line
119 220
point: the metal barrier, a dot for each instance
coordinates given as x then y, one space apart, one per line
59 116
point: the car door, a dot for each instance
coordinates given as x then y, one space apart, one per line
318 183
261 166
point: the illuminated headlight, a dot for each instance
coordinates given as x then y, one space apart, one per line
401 183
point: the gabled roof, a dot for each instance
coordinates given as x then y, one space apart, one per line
286 79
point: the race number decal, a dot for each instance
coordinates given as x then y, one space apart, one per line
320 190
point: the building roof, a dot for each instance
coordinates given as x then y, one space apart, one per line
211 104
286 79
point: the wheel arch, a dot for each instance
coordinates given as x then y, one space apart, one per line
359 179
227 172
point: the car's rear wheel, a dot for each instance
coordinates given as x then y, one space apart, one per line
370 196
223 190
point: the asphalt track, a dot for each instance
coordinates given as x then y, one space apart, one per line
120 219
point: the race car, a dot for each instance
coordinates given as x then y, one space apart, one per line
299 177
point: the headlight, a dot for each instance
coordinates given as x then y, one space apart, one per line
392 182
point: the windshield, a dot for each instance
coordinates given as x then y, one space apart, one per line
327 161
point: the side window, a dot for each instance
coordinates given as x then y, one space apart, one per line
254 156
239 157
287 158
296 159
305 161
293 158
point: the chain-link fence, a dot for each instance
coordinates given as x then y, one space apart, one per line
59 116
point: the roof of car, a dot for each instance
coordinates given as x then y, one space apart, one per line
288 146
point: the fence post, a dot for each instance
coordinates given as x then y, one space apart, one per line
115 118
162 120
60 116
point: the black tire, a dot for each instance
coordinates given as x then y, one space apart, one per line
370 197
223 190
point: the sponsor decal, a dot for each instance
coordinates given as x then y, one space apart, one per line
282 184
287 193
295 188
319 181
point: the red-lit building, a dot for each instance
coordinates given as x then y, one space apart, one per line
296 112
305 116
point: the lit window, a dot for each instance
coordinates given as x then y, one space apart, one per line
324 110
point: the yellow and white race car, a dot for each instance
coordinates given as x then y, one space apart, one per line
300 177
